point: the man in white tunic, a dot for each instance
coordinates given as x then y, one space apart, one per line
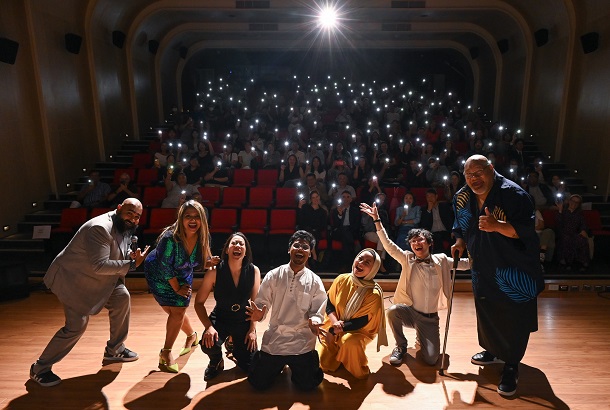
297 300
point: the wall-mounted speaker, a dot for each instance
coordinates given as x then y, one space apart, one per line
503 45
474 53
183 52
73 43
153 46
541 36
590 42
8 50
118 38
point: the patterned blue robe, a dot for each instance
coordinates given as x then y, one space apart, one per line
506 273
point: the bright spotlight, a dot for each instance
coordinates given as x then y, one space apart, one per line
327 19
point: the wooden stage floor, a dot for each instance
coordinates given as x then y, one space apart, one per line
566 365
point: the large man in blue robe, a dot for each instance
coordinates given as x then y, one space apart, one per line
494 220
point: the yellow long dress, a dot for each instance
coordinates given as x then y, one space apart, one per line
349 347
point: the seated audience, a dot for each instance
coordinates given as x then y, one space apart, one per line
126 188
437 217
407 217
573 240
94 192
177 191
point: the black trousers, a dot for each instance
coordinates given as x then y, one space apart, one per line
305 368
238 332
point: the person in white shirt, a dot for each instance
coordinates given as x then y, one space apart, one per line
423 288
297 300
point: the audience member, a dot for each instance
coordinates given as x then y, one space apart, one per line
311 184
437 217
437 175
336 188
454 184
94 192
407 217
290 172
247 156
313 218
228 157
373 189
194 172
205 155
160 157
345 224
271 158
317 167
415 176
543 197
573 239
177 191
219 175
126 188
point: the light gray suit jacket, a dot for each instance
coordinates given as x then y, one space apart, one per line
86 271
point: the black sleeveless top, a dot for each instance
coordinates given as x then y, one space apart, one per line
231 301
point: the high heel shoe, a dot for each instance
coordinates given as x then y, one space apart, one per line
187 349
164 366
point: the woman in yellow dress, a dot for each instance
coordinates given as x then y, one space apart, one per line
354 316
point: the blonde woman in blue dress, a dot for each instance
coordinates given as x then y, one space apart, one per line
181 247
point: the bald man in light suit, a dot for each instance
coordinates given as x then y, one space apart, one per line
88 275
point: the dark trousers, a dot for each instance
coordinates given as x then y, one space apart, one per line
238 332
305 368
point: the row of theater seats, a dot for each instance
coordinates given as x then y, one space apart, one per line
240 177
220 220
270 197
252 221
268 230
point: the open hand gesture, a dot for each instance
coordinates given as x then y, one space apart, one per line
371 211
255 313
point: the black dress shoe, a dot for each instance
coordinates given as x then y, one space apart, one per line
213 370
483 358
508 383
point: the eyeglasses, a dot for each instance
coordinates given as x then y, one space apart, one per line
477 174
303 246
193 217
417 240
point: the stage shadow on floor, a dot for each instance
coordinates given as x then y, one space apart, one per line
172 396
338 390
82 392
534 389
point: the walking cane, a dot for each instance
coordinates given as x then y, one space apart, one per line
456 260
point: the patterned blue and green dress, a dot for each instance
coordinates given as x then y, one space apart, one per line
506 273
169 259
